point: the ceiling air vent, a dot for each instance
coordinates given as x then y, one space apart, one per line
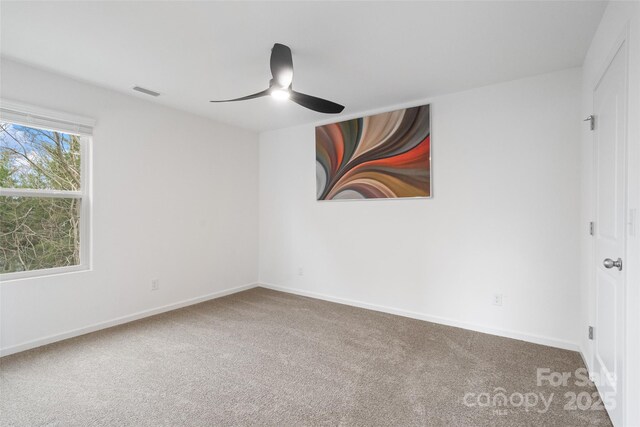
146 91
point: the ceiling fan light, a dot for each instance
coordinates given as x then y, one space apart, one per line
280 94
285 78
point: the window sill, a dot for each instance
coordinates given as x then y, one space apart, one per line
36 274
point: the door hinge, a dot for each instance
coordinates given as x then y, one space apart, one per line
592 228
592 121
590 332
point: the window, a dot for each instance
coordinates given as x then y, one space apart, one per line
44 199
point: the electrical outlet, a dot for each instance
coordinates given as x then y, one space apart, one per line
155 284
497 299
300 271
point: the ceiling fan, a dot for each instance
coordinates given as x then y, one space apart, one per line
280 84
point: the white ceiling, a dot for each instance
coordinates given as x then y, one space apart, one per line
364 55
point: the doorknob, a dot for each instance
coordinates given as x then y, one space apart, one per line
609 263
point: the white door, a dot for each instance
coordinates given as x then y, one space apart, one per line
610 110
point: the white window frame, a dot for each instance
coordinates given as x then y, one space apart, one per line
26 115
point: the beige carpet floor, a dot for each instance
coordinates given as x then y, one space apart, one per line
262 357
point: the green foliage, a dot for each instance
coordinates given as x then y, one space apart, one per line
37 232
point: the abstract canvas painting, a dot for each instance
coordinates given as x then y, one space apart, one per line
376 157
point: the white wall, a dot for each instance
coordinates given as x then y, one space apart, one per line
503 219
619 18
174 198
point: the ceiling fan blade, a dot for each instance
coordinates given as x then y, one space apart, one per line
316 104
255 95
282 65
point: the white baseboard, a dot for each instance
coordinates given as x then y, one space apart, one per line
411 314
536 339
120 320
587 360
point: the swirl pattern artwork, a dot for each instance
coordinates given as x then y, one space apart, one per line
382 156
